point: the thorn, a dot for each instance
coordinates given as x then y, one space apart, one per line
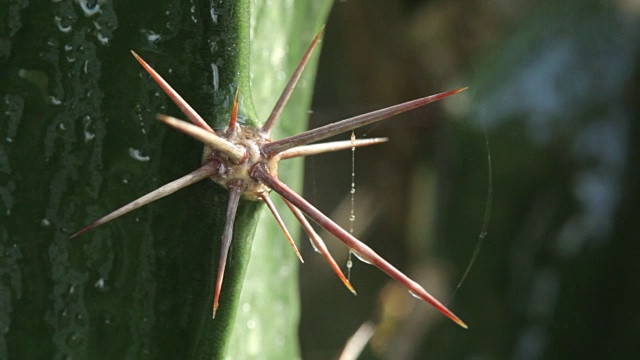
199 174
186 109
286 93
235 153
260 173
317 242
315 149
275 213
234 113
234 198
323 132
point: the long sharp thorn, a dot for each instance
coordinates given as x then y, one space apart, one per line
323 132
275 213
317 242
227 236
286 93
315 149
234 113
235 153
186 109
199 174
261 173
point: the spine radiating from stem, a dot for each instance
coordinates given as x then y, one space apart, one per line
199 174
186 109
261 173
315 149
235 153
235 190
272 207
286 93
323 132
318 244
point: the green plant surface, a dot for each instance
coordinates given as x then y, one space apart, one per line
79 139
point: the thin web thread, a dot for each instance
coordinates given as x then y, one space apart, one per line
487 216
352 214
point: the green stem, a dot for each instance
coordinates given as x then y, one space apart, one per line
81 116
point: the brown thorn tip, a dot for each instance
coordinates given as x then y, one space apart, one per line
83 230
291 84
234 112
265 197
186 109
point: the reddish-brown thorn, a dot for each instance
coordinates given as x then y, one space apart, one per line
186 109
275 213
261 173
235 153
201 173
319 245
323 132
315 149
234 114
235 191
286 93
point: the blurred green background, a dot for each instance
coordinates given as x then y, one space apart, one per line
553 88
555 84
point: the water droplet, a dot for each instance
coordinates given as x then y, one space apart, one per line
216 76
62 127
251 324
63 25
152 37
104 40
88 135
313 245
246 307
45 222
214 16
414 295
137 155
361 257
89 7
99 284
194 16
72 288
349 264
54 100
74 340
352 217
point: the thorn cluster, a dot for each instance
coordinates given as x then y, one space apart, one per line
244 160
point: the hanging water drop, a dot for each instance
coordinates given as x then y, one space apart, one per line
361 257
313 245
414 295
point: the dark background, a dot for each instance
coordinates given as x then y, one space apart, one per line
555 85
